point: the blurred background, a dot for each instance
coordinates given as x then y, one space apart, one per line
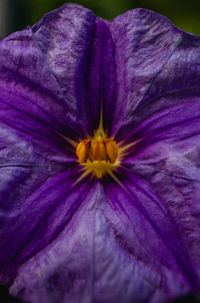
17 14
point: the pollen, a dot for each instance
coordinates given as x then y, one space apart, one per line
98 155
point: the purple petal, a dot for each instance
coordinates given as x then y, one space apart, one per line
34 218
63 36
101 85
63 270
87 261
37 95
81 57
26 106
168 141
171 127
95 257
162 233
152 58
164 122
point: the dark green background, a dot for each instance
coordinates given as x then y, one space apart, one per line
184 14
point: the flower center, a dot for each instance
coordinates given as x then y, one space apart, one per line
98 155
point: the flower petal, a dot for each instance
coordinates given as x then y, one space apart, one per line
64 36
152 58
87 261
35 217
95 258
101 81
168 141
172 124
155 226
40 90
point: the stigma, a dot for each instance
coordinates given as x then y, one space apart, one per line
98 155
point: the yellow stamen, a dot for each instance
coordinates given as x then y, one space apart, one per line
99 154
83 150
112 149
97 151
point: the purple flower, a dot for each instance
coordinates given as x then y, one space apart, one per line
122 223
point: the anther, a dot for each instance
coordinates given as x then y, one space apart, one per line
112 150
82 150
97 151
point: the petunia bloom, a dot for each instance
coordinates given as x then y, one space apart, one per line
100 159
